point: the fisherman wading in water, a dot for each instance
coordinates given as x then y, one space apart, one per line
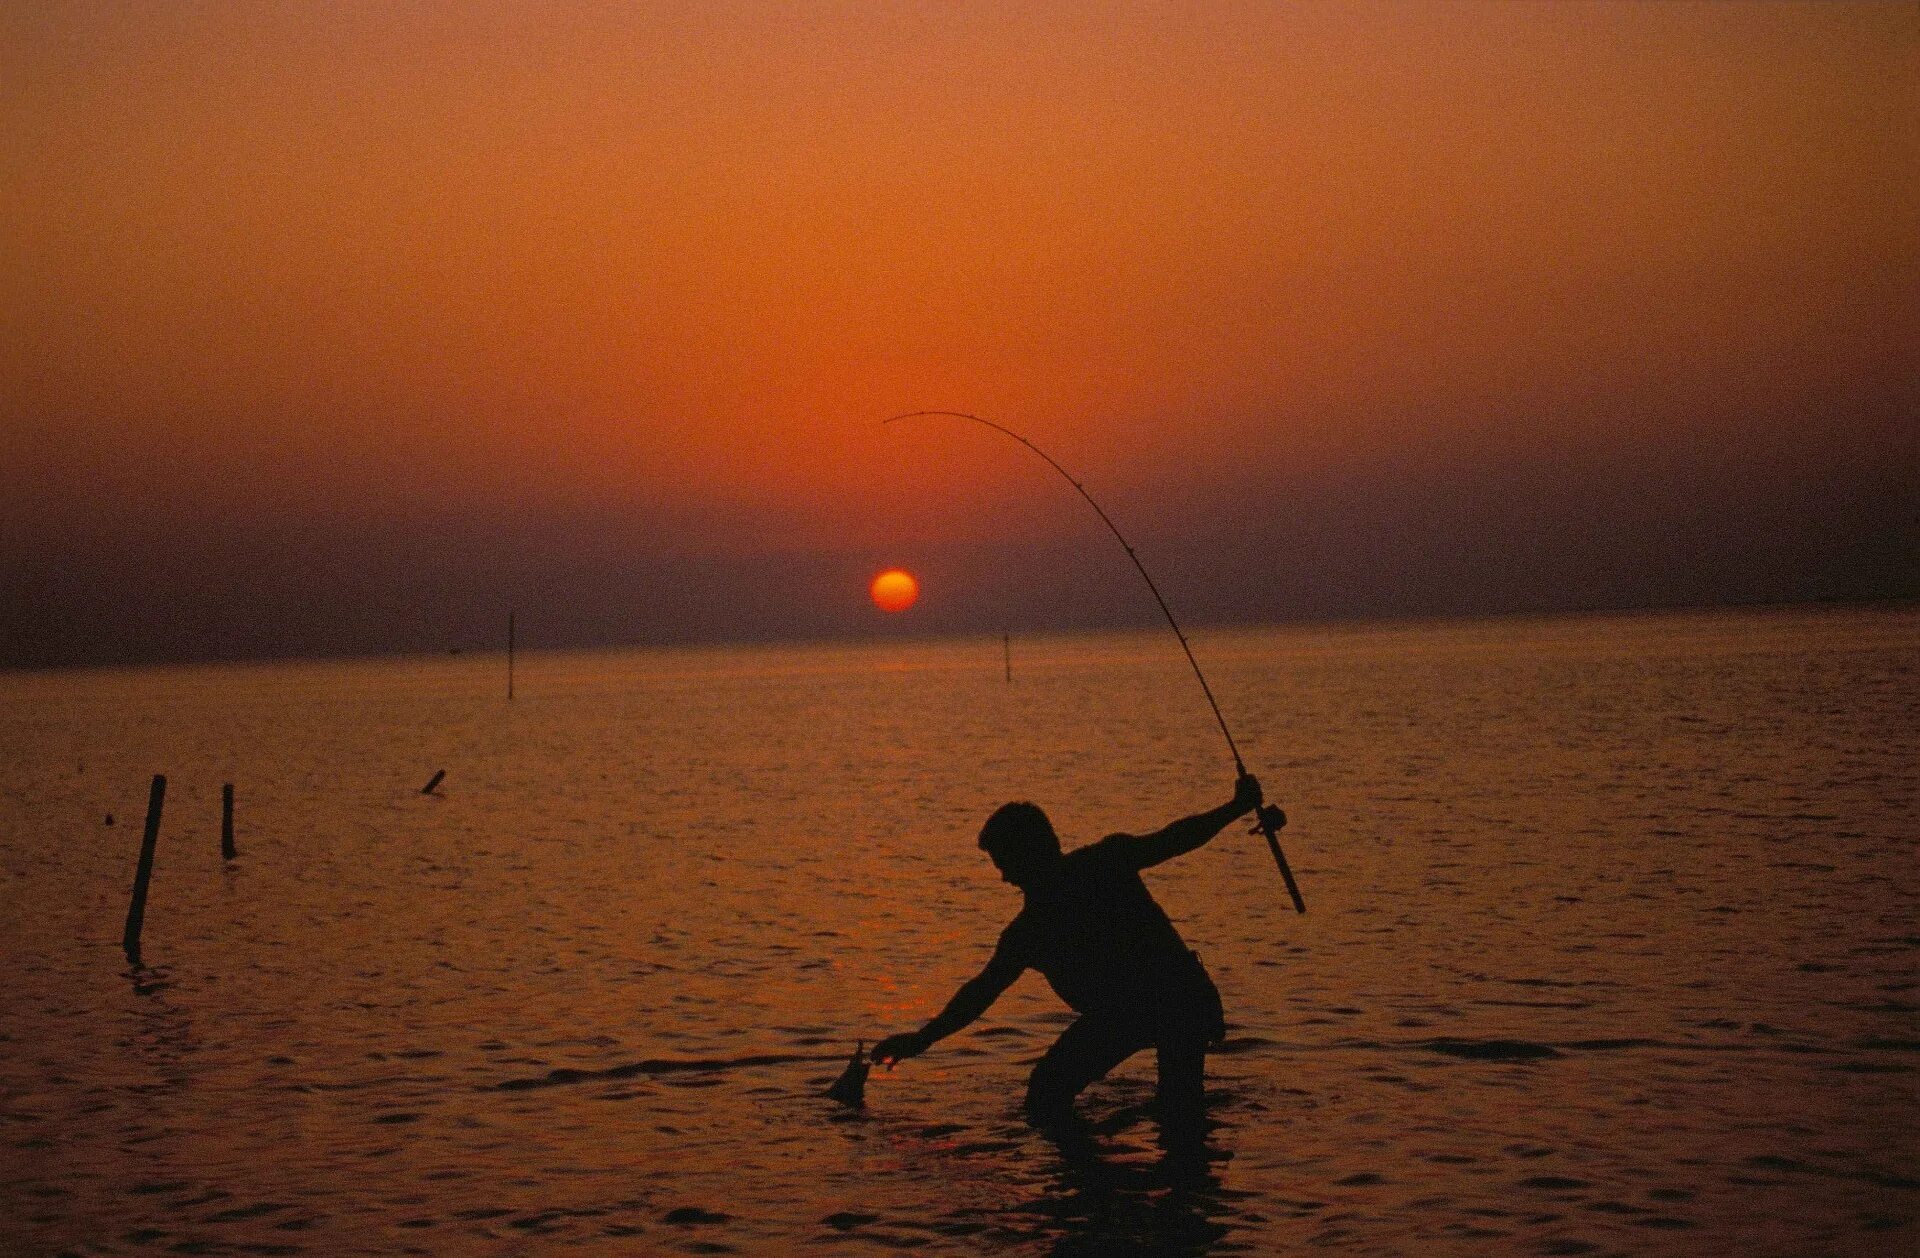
1093 929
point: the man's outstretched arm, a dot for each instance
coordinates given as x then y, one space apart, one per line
1188 833
972 1000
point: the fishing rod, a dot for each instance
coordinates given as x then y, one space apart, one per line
1269 819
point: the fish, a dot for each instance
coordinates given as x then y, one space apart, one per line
850 1088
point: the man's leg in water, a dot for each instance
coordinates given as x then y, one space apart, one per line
1085 1051
1183 1086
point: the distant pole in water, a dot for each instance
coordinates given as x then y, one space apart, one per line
1006 652
227 850
143 873
1265 826
433 783
509 655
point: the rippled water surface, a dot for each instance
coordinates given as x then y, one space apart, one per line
1611 946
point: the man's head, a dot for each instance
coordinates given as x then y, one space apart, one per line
1021 842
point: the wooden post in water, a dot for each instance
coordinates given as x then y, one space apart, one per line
509 655
227 850
433 783
137 909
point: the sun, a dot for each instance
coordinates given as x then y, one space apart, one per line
894 590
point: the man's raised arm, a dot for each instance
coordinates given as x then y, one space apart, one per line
1189 833
972 1000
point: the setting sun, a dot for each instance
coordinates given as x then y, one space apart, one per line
894 590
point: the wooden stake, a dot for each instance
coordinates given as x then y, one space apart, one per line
433 782
227 850
137 910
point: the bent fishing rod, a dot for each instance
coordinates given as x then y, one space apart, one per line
1269 819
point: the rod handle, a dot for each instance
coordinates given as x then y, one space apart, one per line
1271 818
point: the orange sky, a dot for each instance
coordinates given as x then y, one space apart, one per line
669 264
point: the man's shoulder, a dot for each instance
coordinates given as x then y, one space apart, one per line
1016 936
1114 851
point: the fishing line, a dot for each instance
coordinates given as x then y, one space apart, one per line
1265 824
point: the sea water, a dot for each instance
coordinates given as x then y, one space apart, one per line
1610 947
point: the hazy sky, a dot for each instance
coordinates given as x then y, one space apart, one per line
343 327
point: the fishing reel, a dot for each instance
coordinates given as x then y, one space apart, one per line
1267 817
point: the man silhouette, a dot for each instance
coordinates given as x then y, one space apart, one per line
1092 928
